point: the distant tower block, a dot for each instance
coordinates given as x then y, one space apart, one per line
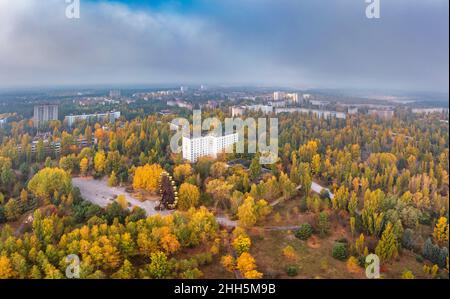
115 93
44 113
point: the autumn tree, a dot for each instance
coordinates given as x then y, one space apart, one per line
122 201
441 231
47 181
12 210
84 166
247 213
247 266
218 169
181 172
242 243
112 180
6 270
220 190
228 263
188 196
387 248
147 177
100 162
159 266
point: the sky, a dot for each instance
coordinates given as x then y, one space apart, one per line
286 43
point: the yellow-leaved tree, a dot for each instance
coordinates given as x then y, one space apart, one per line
440 233
100 161
147 177
188 196
247 266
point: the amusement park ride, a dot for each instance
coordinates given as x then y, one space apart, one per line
168 192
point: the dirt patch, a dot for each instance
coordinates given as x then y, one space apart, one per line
313 242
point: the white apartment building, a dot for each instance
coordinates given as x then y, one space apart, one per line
111 116
281 95
266 109
44 113
386 114
237 111
318 113
194 148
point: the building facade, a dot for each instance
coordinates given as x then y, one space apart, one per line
44 113
111 116
194 148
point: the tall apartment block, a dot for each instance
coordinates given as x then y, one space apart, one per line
44 113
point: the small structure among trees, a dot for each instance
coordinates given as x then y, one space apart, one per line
168 192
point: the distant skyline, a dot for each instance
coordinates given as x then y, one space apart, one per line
287 43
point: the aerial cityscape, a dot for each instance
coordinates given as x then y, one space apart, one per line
149 140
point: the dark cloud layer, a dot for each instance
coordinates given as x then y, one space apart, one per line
300 43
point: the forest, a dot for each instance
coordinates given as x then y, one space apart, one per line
387 193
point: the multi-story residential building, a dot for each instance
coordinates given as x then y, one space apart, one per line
279 95
240 110
111 116
237 110
352 110
115 93
266 109
318 113
429 110
386 114
44 113
210 145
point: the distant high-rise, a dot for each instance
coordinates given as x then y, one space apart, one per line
45 113
114 93
279 95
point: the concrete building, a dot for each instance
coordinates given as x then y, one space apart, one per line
44 113
386 114
240 110
114 93
352 110
111 116
277 103
210 145
429 110
318 113
237 111
266 109
279 95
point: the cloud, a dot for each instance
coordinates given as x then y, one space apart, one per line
305 43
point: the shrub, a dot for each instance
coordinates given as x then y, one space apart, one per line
323 224
408 239
435 254
292 270
407 274
304 232
425 219
303 206
342 240
340 251
419 258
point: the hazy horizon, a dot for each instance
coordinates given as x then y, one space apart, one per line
267 43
